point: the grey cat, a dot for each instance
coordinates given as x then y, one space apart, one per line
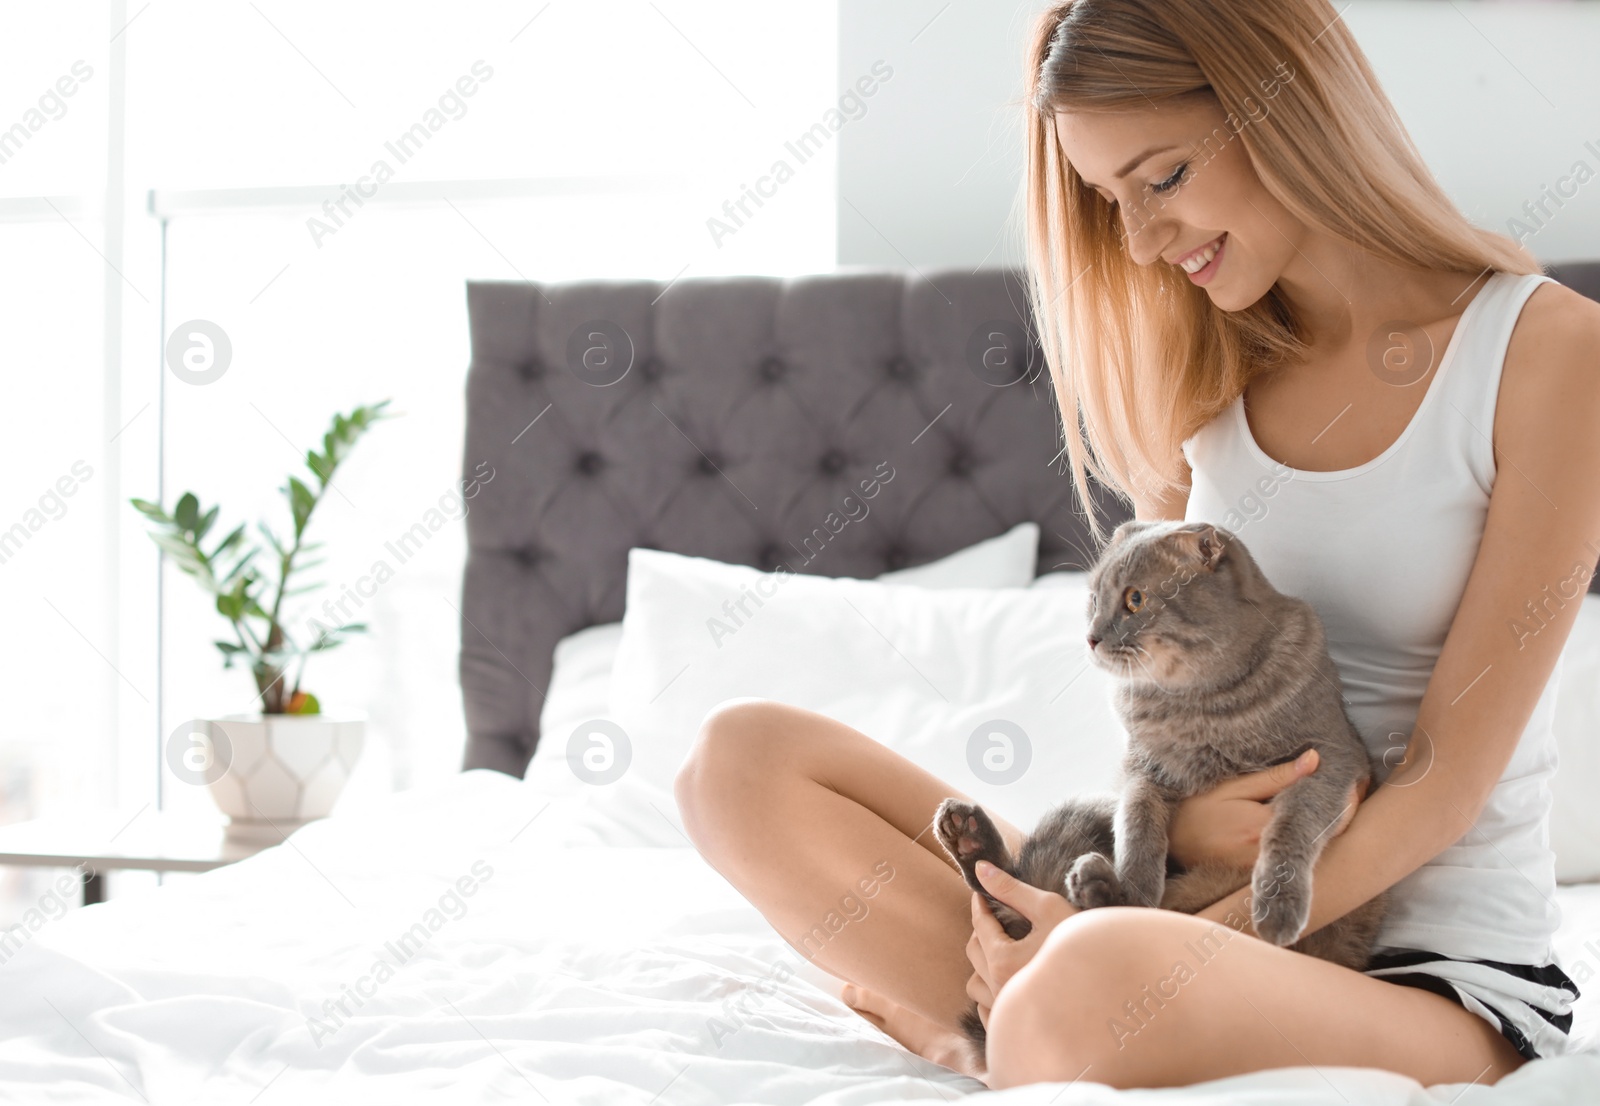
1219 674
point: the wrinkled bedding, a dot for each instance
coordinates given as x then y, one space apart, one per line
481 941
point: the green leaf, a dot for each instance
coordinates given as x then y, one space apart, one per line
319 465
150 510
187 513
240 566
205 523
230 606
234 538
336 637
272 540
301 502
185 556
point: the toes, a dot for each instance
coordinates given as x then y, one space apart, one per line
1282 920
968 842
1091 882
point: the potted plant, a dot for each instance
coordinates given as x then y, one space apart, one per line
277 768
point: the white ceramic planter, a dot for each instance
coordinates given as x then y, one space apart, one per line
281 770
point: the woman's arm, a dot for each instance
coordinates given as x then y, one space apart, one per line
1540 544
1171 507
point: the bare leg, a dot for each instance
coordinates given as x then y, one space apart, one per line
796 810
1106 1000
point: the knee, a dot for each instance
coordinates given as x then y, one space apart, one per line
727 755
1058 1018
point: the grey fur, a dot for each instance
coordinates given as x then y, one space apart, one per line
1219 674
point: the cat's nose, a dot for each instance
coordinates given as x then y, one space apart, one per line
1093 641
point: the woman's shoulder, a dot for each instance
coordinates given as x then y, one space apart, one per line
1550 386
1559 328
1554 351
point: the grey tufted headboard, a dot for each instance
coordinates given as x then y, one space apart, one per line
728 418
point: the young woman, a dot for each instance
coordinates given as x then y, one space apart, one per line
1242 270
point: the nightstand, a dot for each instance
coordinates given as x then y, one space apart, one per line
148 841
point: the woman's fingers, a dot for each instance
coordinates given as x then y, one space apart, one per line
1266 783
978 991
985 926
1019 896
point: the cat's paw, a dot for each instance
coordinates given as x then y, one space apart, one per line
1280 906
1092 882
967 834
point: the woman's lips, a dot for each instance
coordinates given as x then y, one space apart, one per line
1204 274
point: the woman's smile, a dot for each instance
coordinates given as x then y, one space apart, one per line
1202 264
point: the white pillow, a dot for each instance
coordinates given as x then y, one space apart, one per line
579 687
1005 561
581 672
989 689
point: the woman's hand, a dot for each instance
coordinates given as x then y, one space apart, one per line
1225 823
996 957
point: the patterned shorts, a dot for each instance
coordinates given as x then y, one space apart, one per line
1530 1005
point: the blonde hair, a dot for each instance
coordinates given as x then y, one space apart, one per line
1139 356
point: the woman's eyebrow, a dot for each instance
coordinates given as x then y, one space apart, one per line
1136 162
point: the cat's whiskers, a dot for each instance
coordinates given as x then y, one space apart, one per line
1139 649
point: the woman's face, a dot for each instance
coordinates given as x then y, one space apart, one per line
1183 185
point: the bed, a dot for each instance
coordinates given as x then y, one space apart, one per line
695 456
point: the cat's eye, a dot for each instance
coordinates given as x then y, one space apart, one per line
1133 599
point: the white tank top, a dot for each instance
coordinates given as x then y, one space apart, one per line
1383 551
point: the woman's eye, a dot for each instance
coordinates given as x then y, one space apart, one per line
1133 599
1171 182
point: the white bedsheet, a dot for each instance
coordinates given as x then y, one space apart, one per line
658 984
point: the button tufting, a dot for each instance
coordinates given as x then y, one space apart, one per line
651 368
531 369
770 557
527 556
590 462
899 368
962 464
896 557
709 464
772 369
832 461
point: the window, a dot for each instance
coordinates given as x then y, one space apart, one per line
319 181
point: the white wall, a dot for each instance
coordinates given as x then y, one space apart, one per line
1501 96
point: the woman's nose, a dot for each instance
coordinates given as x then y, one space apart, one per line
1143 238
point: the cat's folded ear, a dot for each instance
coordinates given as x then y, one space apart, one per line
1129 528
1200 543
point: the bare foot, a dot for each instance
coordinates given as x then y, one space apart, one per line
927 1039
